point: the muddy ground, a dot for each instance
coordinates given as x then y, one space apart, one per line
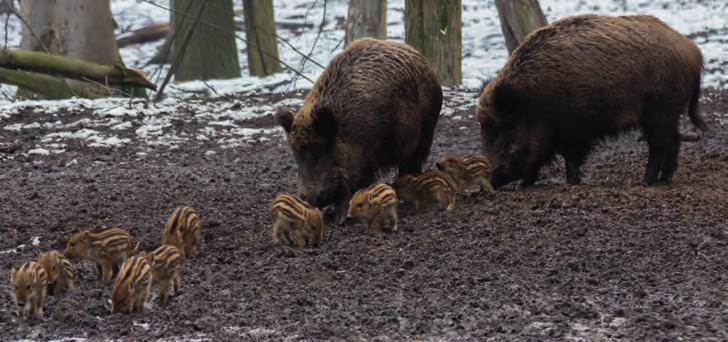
608 259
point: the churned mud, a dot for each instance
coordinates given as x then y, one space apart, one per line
606 259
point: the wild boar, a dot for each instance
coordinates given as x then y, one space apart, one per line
582 78
375 107
293 217
375 204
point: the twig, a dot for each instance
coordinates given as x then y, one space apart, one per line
168 47
15 13
6 95
209 87
180 52
108 88
285 41
219 28
308 11
338 44
321 28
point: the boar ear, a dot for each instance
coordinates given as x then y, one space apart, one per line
285 118
324 122
13 271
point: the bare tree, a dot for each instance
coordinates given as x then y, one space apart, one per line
366 18
519 18
210 53
434 27
260 33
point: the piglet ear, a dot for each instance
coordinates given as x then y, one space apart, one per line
13 271
285 118
324 122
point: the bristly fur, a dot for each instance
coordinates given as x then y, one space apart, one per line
375 107
582 78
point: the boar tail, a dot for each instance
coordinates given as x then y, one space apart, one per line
693 112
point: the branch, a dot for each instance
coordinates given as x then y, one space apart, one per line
320 29
41 62
181 52
219 28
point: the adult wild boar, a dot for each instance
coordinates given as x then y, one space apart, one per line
373 108
582 78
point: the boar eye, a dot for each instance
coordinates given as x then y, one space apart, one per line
360 205
27 287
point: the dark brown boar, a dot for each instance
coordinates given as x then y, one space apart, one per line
375 107
582 78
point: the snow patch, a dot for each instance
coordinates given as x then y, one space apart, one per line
39 151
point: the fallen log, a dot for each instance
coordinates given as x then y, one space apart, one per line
61 66
145 34
51 87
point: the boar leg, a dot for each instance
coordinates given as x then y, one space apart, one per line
529 179
99 271
449 199
485 184
176 283
277 235
395 219
106 270
663 151
163 291
670 158
574 156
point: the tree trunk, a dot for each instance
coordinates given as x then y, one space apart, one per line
433 27
260 28
519 18
211 53
80 29
366 18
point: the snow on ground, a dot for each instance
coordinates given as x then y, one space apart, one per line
483 54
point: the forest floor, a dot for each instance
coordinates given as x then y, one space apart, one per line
608 259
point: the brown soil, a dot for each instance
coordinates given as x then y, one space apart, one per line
607 259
